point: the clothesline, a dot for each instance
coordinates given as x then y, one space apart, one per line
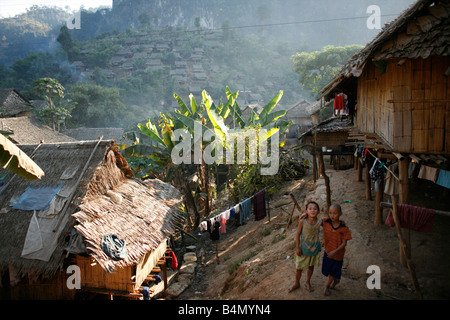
228 213
440 212
393 174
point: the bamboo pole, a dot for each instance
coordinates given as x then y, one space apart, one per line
403 198
368 184
378 200
403 248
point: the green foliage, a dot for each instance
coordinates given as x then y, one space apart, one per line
317 68
98 106
52 91
249 180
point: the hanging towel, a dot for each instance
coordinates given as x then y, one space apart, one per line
223 223
259 205
203 226
245 209
444 178
428 173
391 186
233 212
413 218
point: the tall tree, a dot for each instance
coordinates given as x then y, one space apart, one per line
317 68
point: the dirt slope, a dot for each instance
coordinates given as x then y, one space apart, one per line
256 258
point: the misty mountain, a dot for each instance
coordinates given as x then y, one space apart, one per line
303 24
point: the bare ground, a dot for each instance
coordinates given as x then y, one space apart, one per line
255 259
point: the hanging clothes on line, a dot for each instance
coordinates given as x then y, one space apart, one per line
377 173
413 218
338 104
245 209
444 178
392 185
428 173
259 205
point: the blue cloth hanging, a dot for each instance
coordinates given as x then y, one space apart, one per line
444 178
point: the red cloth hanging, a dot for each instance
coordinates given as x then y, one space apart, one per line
413 218
338 101
174 263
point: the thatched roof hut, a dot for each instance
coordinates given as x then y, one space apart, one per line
13 104
87 190
29 130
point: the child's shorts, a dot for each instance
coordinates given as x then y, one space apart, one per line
331 267
304 262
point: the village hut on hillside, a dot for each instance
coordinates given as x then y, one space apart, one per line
301 119
62 222
331 136
400 81
13 104
29 130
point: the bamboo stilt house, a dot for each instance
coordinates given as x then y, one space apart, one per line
401 81
59 221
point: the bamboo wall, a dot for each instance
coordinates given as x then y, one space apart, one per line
94 277
408 105
54 288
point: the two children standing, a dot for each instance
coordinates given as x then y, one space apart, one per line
336 235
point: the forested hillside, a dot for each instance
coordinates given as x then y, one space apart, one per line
148 50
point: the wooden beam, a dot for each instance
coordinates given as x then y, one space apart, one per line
418 101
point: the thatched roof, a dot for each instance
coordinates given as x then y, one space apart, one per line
105 200
12 103
330 125
29 130
421 31
299 110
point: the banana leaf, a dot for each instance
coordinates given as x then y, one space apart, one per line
17 161
150 130
270 106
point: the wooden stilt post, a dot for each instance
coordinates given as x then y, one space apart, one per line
378 200
403 198
315 175
359 164
164 270
404 249
368 183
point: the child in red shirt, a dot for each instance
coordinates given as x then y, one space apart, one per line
336 235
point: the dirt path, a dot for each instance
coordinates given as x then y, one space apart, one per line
256 258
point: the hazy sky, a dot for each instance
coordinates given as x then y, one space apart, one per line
9 8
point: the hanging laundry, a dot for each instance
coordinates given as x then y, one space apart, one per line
203 226
413 218
226 214
245 209
428 173
413 170
391 186
214 230
338 103
259 205
223 223
233 212
444 178
377 173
